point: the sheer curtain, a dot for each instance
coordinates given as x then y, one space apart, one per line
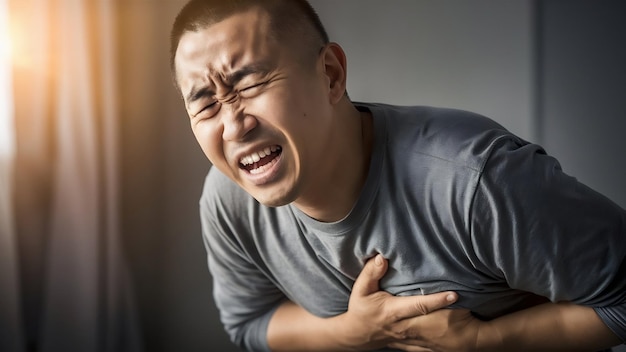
65 285
11 338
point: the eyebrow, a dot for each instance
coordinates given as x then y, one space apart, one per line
197 93
230 79
251 69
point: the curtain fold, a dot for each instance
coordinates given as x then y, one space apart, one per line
76 289
11 338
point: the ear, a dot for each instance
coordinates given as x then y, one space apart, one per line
334 60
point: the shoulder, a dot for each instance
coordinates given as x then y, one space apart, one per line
221 195
432 117
450 135
216 184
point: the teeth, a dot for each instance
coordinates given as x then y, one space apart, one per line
256 156
263 168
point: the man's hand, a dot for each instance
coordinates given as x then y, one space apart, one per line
376 319
443 330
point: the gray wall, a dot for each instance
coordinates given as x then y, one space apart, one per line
583 84
551 71
474 55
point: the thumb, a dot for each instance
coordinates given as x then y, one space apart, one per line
367 281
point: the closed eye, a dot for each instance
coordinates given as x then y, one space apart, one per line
208 111
251 90
254 86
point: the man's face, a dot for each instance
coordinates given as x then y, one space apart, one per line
258 113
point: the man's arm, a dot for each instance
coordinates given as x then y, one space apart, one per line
550 326
373 320
376 319
542 231
546 327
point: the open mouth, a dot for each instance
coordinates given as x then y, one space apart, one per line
261 160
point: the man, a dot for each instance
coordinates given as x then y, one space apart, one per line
333 225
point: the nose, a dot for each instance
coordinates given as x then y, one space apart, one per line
237 124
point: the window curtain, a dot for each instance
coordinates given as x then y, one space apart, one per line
65 284
11 338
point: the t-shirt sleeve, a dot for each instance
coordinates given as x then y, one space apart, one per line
245 296
542 231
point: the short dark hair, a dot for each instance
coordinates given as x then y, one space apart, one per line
288 17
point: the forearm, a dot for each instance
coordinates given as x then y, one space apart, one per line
292 328
547 327
374 318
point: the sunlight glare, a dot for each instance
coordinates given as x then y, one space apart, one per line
5 38
6 96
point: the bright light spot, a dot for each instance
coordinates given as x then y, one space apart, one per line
6 96
15 38
5 38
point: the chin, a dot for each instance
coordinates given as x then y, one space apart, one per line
273 199
272 202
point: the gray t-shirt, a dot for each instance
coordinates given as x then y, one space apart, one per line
453 200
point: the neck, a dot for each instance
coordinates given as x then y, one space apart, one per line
338 186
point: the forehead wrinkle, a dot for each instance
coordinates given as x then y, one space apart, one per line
235 47
255 68
225 68
234 64
199 84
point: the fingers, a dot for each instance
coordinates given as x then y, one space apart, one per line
409 346
367 283
412 306
368 280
